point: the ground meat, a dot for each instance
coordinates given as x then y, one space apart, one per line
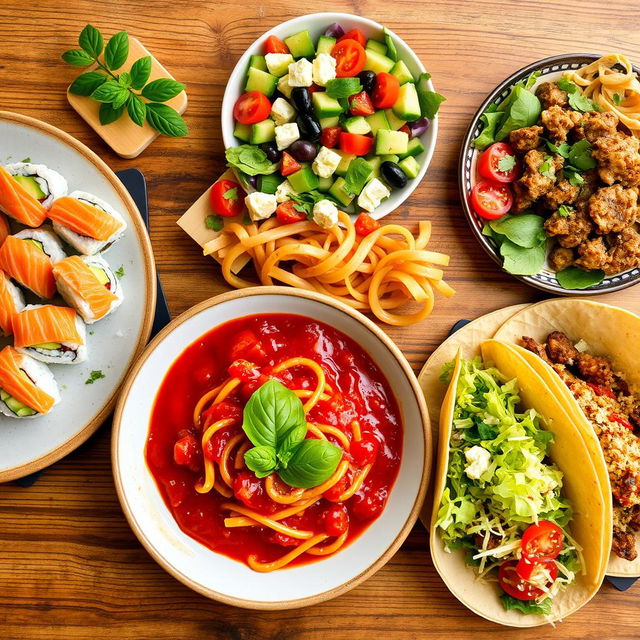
618 159
558 122
525 139
521 199
592 254
570 231
595 369
613 208
563 193
551 95
624 252
560 349
560 258
634 517
595 125
634 418
535 347
624 544
533 184
589 186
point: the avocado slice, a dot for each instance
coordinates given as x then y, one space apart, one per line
20 409
50 346
100 274
32 186
35 243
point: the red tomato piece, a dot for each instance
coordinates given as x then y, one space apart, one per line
289 164
250 490
542 541
491 158
491 200
333 494
313 87
354 34
222 411
252 107
360 104
244 370
615 417
365 224
287 214
386 90
602 391
246 345
330 137
365 450
528 569
283 539
355 143
405 129
350 57
370 504
275 45
186 452
335 520
512 584
226 198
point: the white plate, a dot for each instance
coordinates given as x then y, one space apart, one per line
215 575
29 445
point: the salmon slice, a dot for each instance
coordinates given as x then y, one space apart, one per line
83 218
4 228
45 324
18 202
30 266
77 275
18 384
7 306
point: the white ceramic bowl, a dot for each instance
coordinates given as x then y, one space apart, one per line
217 576
316 23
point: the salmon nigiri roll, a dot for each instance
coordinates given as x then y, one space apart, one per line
4 228
27 387
89 286
87 223
11 302
50 334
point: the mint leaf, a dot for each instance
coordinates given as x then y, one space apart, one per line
214 223
140 72
93 376
506 163
574 278
91 41
565 210
108 114
108 92
166 120
86 83
343 87
231 194
124 80
117 50
137 110
162 89
121 99
78 58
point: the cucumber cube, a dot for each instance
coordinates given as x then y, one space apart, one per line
325 123
395 123
407 106
377 62
378 120
324 105
391 142
264 131
258 62
414 148
325 44
260 81
242 132
303 180
301 45
389 158
401 71
377 46
269 184
410 166
324 184
357 124
339 192
341 169
374 163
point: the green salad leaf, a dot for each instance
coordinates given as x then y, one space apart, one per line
358 173
490 120
250 159
525 230
523 111
522 261
343 87
574 278
526 606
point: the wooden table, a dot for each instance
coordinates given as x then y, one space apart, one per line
69 565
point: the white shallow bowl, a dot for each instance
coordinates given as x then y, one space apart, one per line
215 575
316 23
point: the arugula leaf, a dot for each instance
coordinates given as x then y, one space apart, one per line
231 194
86 83
140 72
358 173
343 87
312 463
565 210
526 606
162 89
522 261
574 278
523 111
506 163
525 230
250 160
117 50
261 460
77 57
109 114
91 41
166 120
137 109
214 223
490 120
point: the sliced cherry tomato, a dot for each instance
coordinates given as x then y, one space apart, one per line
542 541
289 164
602 391
360 104
350 57
251 107
354 34
226 198
614 417
529 570
491 200
246 345
186 452
386 90
355 143
405 129
369 504
491 159
512 584
287 213
275 45
365 450
330 137
335 520
365 224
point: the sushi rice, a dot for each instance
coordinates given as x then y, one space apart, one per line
51 183
16 296
47 241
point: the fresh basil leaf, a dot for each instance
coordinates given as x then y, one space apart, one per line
78 58
491 121
522 261
162 89
124 79
261 460
91 41
523 111
166 120
580 155
312 463
121 99
108 92
526 606
108 114
574 278
289 442
271 412
250 160
565 210
86 83
430 102
343 87
137 110
231 194
506 163
358 173
214 223
525 230
140 72
117 50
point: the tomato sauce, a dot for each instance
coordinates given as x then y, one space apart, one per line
361 393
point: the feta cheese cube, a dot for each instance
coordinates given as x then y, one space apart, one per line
286 135
275 62
301 73
326 162
325 214
478 460
284 87
282 112
260 205
372 195
324 69
283 191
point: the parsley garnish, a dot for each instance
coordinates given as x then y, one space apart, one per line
565 210
214 223
573 175
93 376
577 101
120 272
547 168
561 149
506 163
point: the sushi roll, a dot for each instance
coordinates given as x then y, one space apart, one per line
87 223
28 190
27 387
55 335
28 258
11 302
89 286
5 230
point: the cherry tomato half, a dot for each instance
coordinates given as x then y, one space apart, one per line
360 104
529 570
287 214
275 45
499 153
335 520
289 164
365 224
385 91
491 200
512 584
542 541
354 34
251 107
330 137
355 143
350 57
226 198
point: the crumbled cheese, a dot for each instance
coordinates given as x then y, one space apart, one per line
325 214
372 195
282 112
260 205
284 87
582 346
324 69
301 73
276 60
478 460
286 135
326 162
283 191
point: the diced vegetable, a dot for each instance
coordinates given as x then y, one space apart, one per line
339 192
355 143
269 184
325 106
275 45
341 170
407 107
357 124
328 123
401 71
392 52
325 44
264 131
388 141
334 30
414 148
350 56
377 62
419 127
386 91
258 62
377 121
242 132
300 45
303 180
410 166
377 46
261 81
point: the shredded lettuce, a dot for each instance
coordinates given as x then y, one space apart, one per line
526 606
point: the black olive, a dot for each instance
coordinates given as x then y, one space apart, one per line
309 127
367 80
301 97
393 174
271 150
303 151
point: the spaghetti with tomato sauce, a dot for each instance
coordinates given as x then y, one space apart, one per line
196 443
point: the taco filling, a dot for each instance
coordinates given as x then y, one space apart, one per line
503 500
612 407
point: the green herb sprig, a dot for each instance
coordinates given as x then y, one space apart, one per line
128 90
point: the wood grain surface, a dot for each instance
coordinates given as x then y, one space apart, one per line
69 565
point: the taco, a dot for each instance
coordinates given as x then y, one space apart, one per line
587 353
519 512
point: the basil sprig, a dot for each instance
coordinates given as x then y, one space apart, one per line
119 92
275 423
